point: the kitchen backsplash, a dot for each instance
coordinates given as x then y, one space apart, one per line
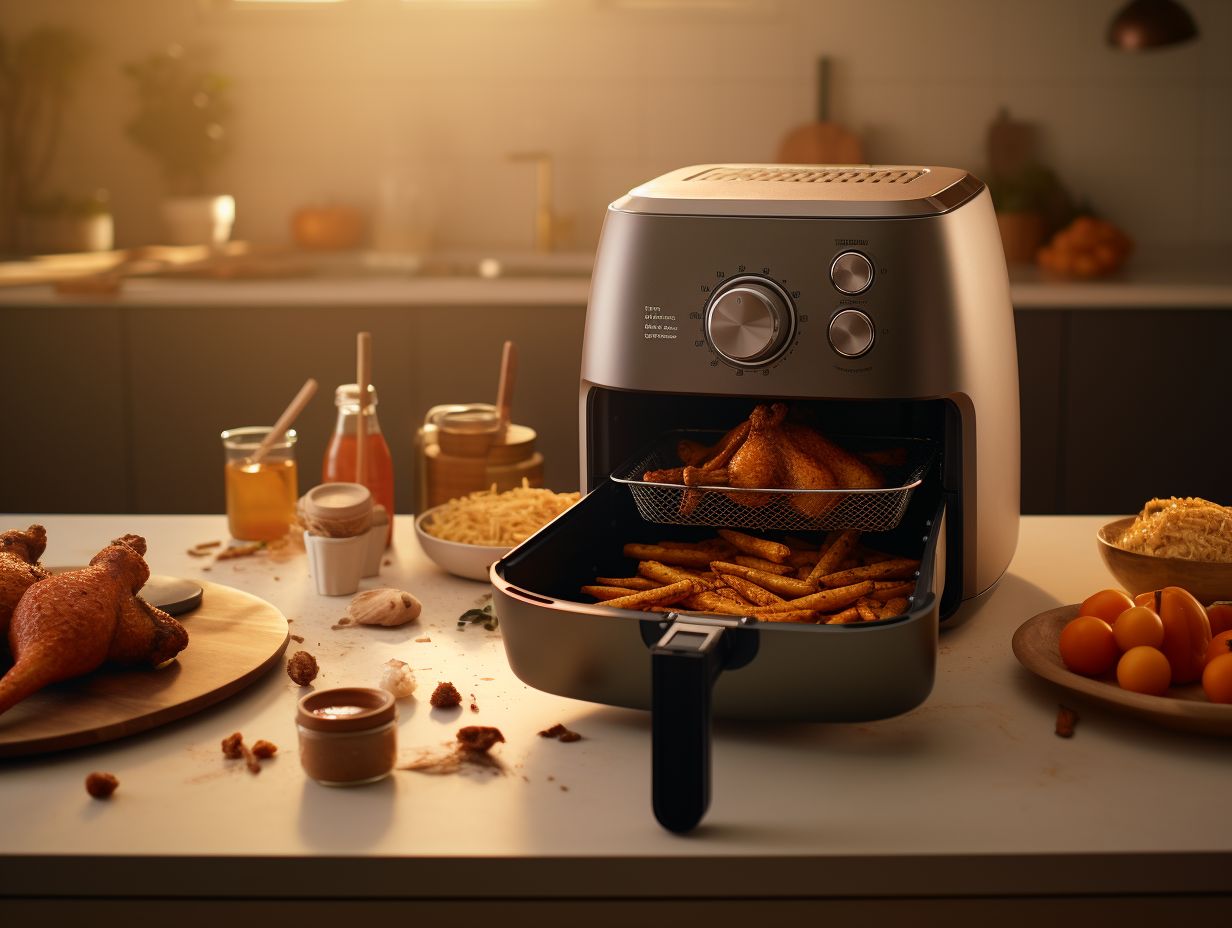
423 102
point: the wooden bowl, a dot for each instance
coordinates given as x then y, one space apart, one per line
1208 581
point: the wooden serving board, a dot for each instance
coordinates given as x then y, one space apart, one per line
233 638
1185 707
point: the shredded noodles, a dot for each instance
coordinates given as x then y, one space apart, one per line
498 519
1189 528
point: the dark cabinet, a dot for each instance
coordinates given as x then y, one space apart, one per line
1119 406
119 409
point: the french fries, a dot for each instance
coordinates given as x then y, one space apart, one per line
659 596
838 581
757 547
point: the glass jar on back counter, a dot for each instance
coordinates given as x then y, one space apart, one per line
339 463
260 496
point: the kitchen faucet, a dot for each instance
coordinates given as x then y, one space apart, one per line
546 219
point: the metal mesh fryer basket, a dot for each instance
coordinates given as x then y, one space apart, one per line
775 509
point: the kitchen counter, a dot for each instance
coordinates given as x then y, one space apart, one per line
1194 278
970 798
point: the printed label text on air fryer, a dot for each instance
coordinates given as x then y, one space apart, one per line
658 324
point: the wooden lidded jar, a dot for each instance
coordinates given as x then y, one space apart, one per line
348 736
464 450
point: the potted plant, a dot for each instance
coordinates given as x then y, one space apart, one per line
182 111
60 223
37 74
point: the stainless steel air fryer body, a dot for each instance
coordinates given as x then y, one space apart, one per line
874 302
936 305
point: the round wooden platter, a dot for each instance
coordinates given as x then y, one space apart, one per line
233 637
1185 707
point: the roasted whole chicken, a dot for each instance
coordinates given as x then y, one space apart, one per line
71 623
767 452
19 569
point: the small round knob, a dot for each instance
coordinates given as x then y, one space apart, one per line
749 321
851 333
851 272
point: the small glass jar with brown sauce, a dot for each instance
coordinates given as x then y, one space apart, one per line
347 736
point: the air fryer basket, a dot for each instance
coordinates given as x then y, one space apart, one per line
868 510
781 671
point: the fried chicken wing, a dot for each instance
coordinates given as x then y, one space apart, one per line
69 624
19 569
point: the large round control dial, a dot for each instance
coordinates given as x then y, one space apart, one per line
749 321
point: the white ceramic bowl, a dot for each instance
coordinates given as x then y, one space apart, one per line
461 560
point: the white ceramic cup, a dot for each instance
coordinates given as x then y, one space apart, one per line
376 541
337 564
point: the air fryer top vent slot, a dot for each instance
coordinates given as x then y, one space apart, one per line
804 191
814 175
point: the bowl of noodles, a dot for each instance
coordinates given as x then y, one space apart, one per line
465 536
1185 542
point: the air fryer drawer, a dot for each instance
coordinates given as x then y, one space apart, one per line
593 652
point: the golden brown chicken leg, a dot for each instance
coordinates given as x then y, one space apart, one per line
19 569
71 623
758 461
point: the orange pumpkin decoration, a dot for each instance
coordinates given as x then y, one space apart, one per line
328 228
1187 631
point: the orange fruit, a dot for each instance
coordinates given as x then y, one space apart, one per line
1087 646
1138 625
1106 604
1217 679
1144 670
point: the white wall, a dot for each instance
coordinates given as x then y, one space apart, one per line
331 100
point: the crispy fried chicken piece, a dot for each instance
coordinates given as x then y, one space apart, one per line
19 569
850 472
71 623
801 471
712 471
758 462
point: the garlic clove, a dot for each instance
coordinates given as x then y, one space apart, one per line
384 606
398 679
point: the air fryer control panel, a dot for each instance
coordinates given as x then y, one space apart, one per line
770 306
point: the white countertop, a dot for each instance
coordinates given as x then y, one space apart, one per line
972 792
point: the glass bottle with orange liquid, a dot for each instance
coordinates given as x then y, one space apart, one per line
339 463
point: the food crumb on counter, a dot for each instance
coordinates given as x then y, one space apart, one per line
298 639
302 668
479 738
1067 719
446 696
423 639
471 748
560 733
101 785
237 551
234 748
